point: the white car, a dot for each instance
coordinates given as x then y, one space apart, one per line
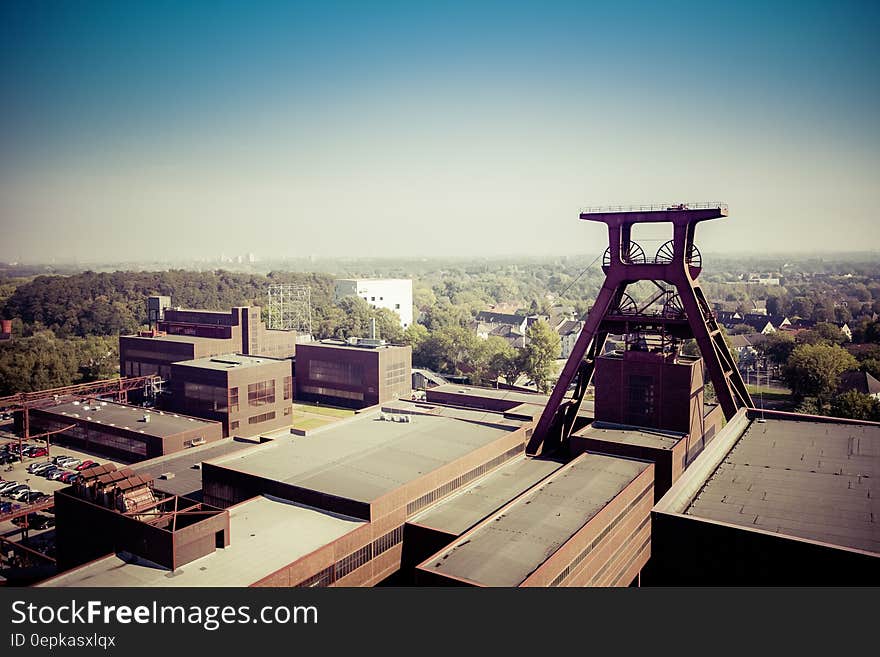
20 495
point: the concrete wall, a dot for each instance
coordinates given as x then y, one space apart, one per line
690 551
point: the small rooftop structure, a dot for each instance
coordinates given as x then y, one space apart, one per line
266 535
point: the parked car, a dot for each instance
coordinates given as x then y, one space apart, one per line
12 490
61 458
56 475
41 468
10 458
21 494
5 507
8 485
71 463
86 465
48 472
66 476
44 522
38 452
35 496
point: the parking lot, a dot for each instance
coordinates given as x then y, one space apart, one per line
19 472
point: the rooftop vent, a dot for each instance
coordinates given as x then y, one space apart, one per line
166 475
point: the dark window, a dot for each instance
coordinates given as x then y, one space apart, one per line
264 417
640 401
204 397
344 373
261 393
233 400
233 425
288 387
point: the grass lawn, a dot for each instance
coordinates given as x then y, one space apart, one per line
315 409
774 394
307 423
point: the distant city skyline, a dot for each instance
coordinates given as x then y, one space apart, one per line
158 131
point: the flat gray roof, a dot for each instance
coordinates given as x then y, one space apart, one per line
187 479
187 339
642 437
352 347
492 393
99 412
365 457
813 480
228 362
511 544
266 534
455 412
461 511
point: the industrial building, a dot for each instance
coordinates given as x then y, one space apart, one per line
249 395
170 531
585 525
191 334
130 433
776 499
330 508
487 487
395 294
354 374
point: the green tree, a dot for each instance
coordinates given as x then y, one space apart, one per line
777 347
813 370
823 332
541 351
871 366
856 405
493 357
414 335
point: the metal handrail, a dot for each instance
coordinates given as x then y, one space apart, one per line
655 207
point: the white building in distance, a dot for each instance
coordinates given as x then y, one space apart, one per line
392 293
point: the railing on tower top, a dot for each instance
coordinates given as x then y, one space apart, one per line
654 207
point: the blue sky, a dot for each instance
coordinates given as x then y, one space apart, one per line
194 129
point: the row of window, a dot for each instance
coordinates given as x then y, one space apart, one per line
338 372
112 441
395 374
623 546
263 417
288 388
355 560
332 392
205 397
135 368
629 562
461 480
592 546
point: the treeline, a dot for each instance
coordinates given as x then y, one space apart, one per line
44 361
113 303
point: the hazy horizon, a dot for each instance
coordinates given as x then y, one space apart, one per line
168 133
